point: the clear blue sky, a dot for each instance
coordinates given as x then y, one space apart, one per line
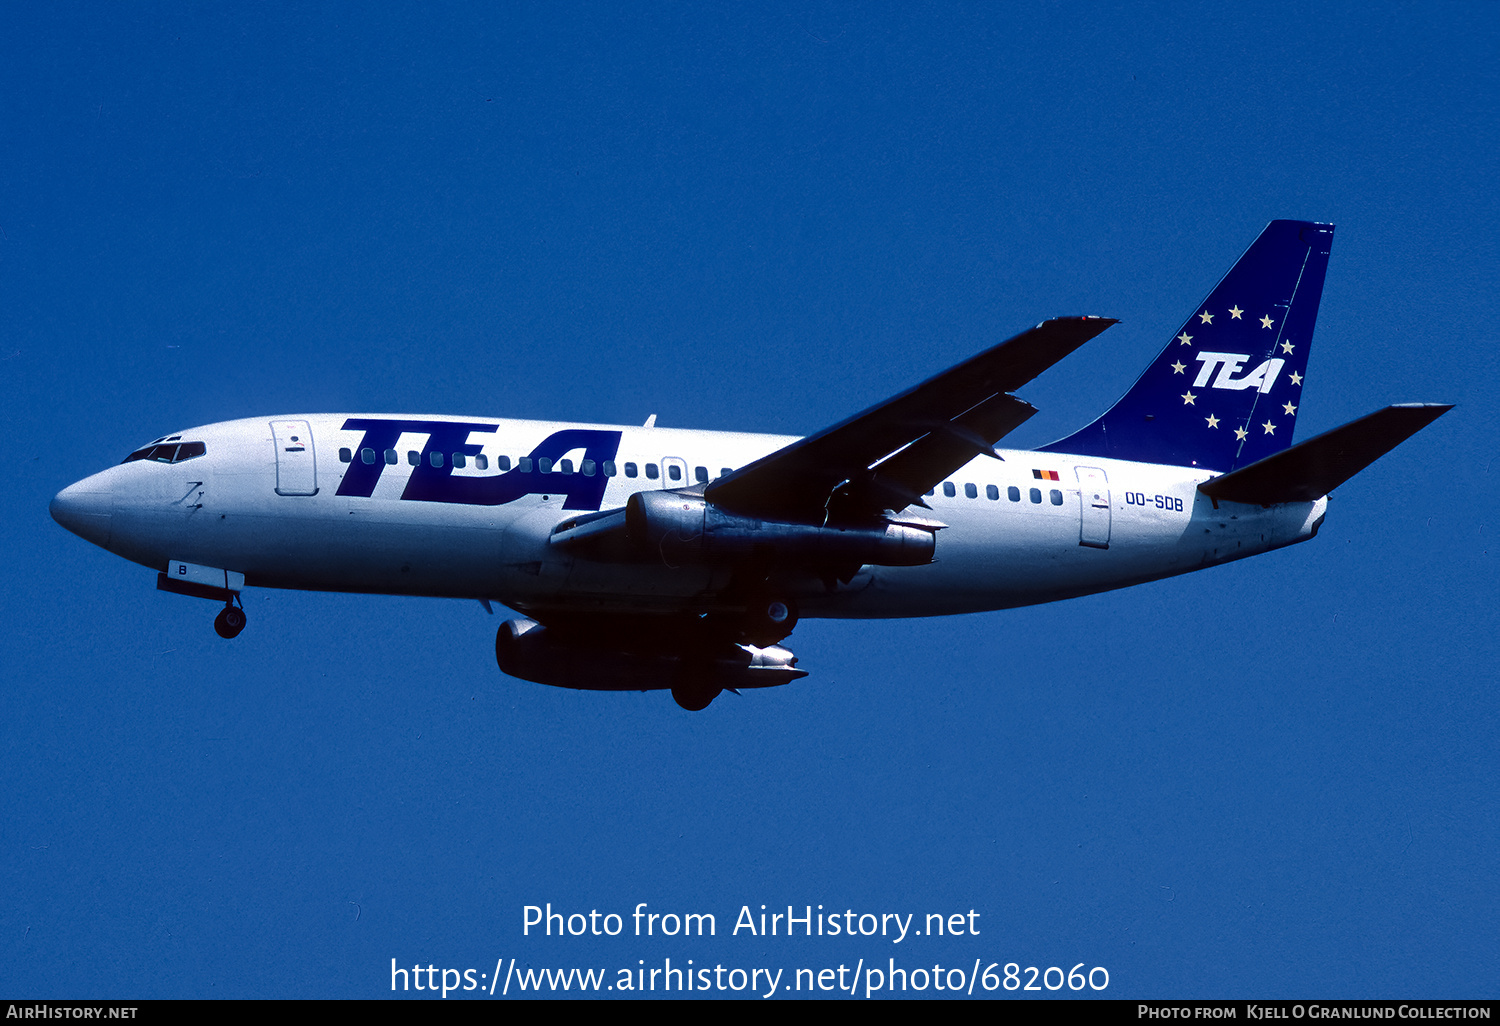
1273 778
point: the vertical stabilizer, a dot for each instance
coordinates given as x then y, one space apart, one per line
1227 389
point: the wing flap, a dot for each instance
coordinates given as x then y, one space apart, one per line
940 423
921 466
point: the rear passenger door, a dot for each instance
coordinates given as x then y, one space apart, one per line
1093 497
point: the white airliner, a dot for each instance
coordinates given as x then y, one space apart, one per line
646 557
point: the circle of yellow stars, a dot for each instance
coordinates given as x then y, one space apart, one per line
1190 399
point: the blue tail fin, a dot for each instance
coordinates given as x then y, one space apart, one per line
1226 390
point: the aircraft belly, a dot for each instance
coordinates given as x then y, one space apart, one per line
433 549
326 542
319 554
630 582
1002 563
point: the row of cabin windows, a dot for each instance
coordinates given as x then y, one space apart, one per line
993 493
175 453
653 472
588 468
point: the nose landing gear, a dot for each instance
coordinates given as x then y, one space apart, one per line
230 621
207 582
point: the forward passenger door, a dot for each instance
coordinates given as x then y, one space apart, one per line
296 462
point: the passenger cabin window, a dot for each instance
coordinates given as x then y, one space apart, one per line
609 468
587 466
971 492
460 460
503 462
391 457
1013 493
413 458
949 490
544 465
435 458
1056 497
674 472
652 472
346 455
565 466
367 455
701 473
524 464
482 461
631 470
991 492
1036 495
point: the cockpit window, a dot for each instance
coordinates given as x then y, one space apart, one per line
169 453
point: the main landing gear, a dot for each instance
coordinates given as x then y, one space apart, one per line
769 618
694 697
231 619
693 685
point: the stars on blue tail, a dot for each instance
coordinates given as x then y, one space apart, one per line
1232 367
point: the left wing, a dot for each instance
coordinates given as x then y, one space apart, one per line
887 457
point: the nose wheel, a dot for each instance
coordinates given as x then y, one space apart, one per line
230 621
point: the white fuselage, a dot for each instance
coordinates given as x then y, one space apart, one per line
253 505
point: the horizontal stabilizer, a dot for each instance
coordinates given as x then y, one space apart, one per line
1311 469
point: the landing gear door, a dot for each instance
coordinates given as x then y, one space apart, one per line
1093 495
296 464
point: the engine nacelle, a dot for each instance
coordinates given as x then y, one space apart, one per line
684 528
526 649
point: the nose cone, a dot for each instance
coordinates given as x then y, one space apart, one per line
84 508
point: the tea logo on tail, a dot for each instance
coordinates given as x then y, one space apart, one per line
1262 377
1224 391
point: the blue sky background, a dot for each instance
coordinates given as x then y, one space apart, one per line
1273 778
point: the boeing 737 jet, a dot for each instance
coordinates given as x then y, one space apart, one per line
644 557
